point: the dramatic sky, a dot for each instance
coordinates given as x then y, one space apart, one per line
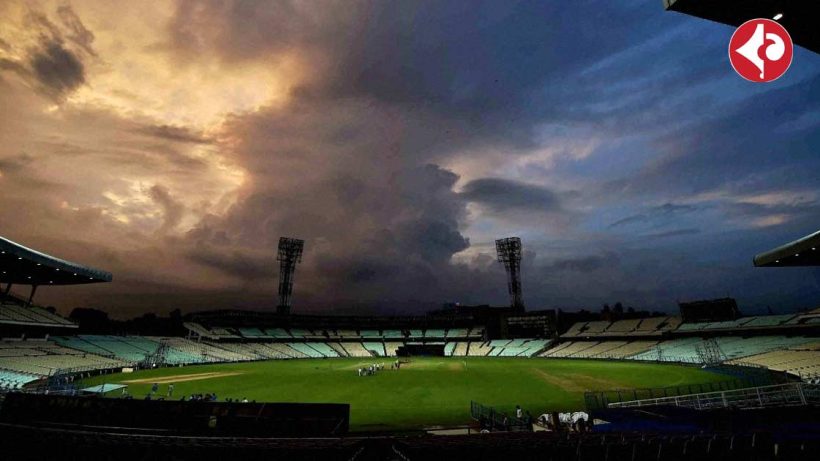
173 143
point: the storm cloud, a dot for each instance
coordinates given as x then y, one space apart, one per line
173 144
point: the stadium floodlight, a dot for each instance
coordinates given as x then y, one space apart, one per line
509 254
290 253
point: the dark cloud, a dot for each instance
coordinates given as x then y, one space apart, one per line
661 212
503 194
248 266
174 133
55 65
57 69
172 209
77 33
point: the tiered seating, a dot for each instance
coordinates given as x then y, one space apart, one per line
278 333
797 362
675 350
599 349
300 333
595 328
15 380
391 347
434 334
252 333
223 333
574 330
533 346
114 345
356 350
306 350
513 348
376 348
456 333
497 346
449 348
339 349
348 334
371 334
627 349
15 313
656 325
732 347
324 349
415 335
569 350
181 351
43 358
200 330
769 320
286 350
461 349
393 334
476 333
622 327
479 349
76 342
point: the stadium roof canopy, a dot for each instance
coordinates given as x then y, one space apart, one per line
801 252
798 16
20 265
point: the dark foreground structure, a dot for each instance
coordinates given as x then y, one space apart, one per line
30 443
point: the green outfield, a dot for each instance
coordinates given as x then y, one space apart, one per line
425 392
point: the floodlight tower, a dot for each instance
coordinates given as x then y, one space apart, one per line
509 253
290 253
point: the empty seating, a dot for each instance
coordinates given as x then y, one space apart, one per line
391 347
371 334
479 349
278 333
570 349
434 333
457 333
323 349
356 350
460 348
306 350
375 348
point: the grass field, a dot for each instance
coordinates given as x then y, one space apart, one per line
426 392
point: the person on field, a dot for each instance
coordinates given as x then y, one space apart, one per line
518 413
154 388
171 390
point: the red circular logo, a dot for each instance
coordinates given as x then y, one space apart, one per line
761 50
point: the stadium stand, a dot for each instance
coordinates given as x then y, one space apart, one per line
388 334
44 358
622 327
479 349
13 313
356 350
278 333
391 347
570 349
371 334
323 349
376 349
432 333
461 348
